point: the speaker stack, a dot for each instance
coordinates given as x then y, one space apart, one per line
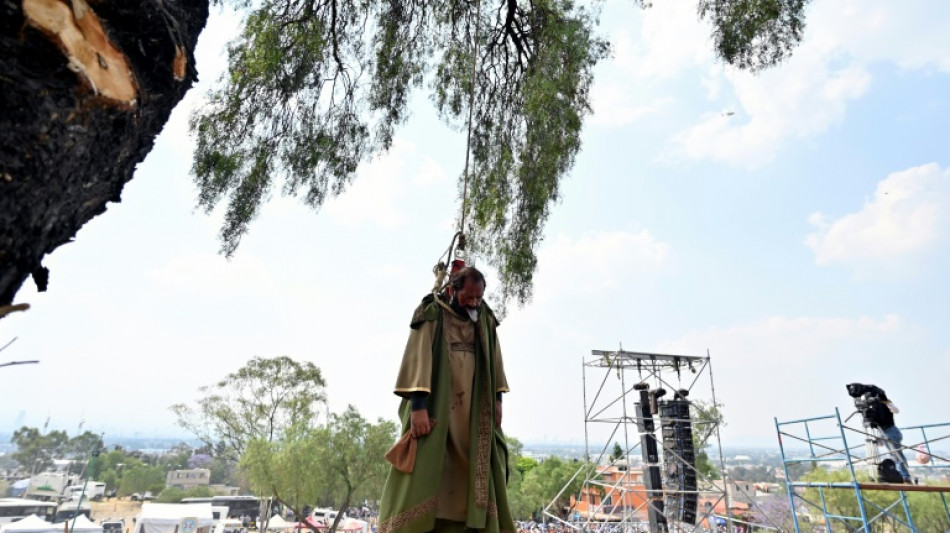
679 459
652 476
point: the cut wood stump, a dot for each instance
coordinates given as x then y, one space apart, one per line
85 87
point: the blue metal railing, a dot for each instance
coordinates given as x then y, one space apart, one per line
831 449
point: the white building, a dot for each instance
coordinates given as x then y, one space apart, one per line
186 479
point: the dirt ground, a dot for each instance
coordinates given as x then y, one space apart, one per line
116 508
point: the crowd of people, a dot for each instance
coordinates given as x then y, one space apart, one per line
531 526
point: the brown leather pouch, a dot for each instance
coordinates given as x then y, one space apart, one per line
403 454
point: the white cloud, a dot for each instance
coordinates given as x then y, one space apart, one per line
905 216
613 107
670 40
378 193
791 367
805 96
212 274
430 171
912 34
597 262
802 98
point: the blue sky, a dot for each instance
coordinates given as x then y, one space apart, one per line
801 239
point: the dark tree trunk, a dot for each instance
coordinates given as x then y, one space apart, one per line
85 86
343 508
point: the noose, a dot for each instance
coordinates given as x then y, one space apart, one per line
458 242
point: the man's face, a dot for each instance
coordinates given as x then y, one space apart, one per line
470 296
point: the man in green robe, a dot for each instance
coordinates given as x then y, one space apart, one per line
451 381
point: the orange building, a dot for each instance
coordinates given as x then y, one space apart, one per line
619 492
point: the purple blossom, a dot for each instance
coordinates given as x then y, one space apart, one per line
199 460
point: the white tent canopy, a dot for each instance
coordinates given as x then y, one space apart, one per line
30 524
352 524
168 517
278 523
80 525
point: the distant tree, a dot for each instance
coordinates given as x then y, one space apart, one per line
774 511
108 467
200 460
526 464
35 451
170 495
222 471
344 460
289 468
798 470
518 465
553 478
176 495
708 418
142 478
926 508
355 458
111 467
754 474
518 504
617 453
259 401
177 457
81 447
928 512
310 95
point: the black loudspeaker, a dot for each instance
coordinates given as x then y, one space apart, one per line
644 416
649 449
679 460
653 481
657 517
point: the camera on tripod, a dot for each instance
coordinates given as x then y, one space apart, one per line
868 400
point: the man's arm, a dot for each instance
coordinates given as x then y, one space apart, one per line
419 420
415 372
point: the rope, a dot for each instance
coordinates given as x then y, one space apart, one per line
441 268
471 110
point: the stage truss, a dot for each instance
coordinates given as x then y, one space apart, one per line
826 441
609 398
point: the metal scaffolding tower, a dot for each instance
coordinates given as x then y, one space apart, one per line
879 506
616 383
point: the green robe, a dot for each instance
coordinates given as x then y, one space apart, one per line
409 501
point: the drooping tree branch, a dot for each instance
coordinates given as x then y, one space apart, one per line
530 96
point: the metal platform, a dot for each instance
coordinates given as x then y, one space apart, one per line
808 498
898 487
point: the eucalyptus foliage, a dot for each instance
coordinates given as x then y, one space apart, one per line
316 87
755 34
261 400
337 464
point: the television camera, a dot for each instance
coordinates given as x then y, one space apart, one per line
868 400
871 402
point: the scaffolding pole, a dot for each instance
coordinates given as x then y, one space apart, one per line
828 450
613 493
